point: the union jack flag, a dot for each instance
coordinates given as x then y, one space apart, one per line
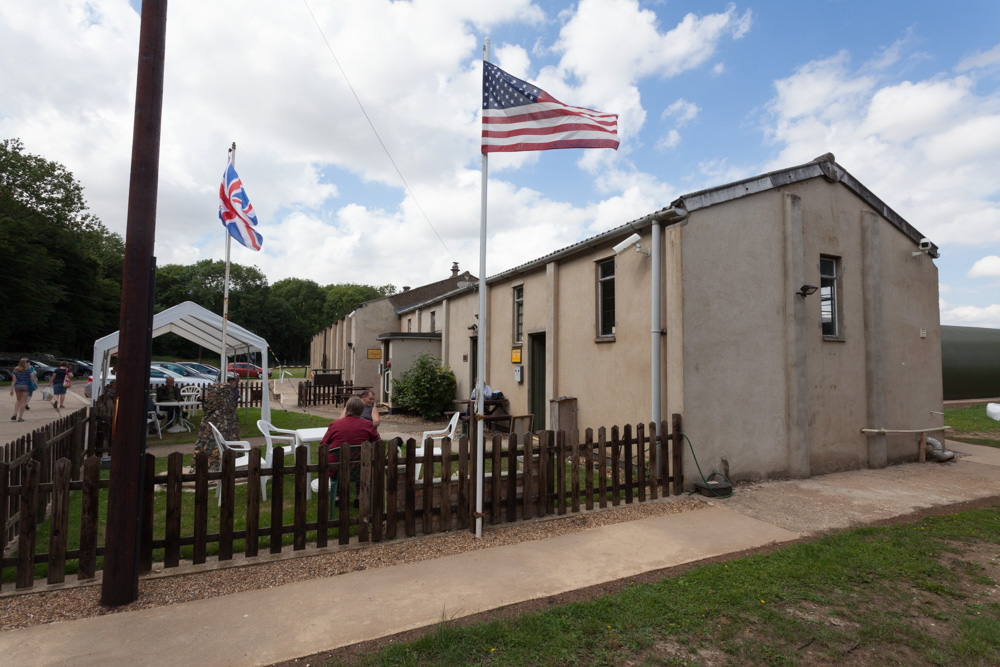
236 211
518 116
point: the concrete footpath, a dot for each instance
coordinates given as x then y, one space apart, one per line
266 626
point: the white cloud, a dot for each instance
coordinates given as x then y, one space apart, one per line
608 45
980 60
929 148
670 140
682 110
971 316
987 267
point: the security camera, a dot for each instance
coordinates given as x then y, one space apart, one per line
925 244
624 245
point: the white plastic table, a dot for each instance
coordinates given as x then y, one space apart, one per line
304 436
180 405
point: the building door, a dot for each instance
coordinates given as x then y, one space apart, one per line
537 404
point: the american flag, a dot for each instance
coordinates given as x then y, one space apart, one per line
236 211
518 116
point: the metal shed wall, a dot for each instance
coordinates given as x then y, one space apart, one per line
970 360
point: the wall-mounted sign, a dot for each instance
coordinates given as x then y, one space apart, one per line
375 353
515 355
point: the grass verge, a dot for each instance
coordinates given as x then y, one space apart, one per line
972 425
918 593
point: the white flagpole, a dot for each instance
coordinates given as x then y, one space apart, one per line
223 370
481 334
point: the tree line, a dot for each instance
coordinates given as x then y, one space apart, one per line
62 277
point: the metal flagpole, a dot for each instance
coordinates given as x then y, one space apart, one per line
481 334
223 370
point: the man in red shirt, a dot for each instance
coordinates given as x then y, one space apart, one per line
351 429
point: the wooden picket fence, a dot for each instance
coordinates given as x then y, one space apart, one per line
311 392
64 438
550 473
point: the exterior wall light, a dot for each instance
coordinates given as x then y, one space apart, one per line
806 290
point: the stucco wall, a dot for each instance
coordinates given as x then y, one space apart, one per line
610 380
739 322
912 364
376 317
734 336
744 356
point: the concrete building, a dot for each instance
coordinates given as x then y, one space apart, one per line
352 343
779 315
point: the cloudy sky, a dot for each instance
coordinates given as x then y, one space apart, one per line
357 121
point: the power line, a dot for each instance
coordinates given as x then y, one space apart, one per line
372 125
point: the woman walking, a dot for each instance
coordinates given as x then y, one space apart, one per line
60 381
20 388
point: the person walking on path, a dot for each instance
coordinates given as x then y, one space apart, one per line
32 387
60 381
20 388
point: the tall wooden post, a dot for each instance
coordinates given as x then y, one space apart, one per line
121 558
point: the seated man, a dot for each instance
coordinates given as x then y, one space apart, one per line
165 393
351 429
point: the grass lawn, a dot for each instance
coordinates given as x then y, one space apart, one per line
972 425
918 593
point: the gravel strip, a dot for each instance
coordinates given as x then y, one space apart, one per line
20 611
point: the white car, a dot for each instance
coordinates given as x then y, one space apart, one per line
157 376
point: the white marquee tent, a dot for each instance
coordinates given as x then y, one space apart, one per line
197 324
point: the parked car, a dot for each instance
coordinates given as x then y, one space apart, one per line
7 368
182 370
42 370
83 368
207 370
245 370
157 376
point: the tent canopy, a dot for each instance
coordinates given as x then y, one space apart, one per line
196 324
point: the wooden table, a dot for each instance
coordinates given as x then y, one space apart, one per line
490 407
346 391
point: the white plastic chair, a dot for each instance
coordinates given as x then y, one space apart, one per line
191 393
153 418
447 432
235 445
286 443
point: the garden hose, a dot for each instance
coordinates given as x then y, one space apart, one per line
713 474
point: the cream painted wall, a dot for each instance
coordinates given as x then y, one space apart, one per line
836 368
376 317
731 319
734 337
912 364
611 379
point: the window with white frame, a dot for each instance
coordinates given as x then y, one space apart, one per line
409 324
829 295
433 321
518 313
606 298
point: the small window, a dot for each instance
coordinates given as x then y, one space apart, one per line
606 298
829 296
409 324
433 321
518 313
